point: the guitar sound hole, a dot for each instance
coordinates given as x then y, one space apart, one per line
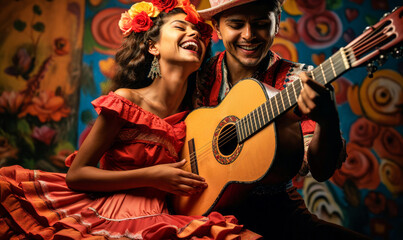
227 140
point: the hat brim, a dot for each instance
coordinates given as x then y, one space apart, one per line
208 13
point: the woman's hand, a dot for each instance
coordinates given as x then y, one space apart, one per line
172 179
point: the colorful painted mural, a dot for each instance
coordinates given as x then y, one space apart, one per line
365 194
40 69
50 74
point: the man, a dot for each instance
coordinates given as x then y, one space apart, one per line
247 29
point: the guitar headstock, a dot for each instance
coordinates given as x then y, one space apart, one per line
377 41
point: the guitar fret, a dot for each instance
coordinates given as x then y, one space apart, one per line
238 131
281 97
331 64
295 93
285 96
275 100
247 125
280 106
242 129
323 73
339 57
301 85
342 66
264 114
318 75
259 110
257 119
267 112
313 75
245 130
288 96
271 107
250 124
253 119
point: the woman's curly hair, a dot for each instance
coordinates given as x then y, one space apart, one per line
133 59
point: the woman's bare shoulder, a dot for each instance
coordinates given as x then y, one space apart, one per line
130 94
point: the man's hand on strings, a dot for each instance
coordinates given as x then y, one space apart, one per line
316 101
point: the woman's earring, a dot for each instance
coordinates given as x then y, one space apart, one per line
155 69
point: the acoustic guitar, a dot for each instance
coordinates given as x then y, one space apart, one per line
252 136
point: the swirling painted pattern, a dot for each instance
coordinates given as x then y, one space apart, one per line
321 30
379 98
319 201
311 7
363 132
285 49
105 31
361 167
389 144
392 176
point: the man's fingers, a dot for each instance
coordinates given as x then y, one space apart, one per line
306 101
317 87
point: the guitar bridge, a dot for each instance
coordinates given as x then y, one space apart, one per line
193 157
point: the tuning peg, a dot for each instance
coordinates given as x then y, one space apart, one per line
385 15
397 52
371 68
394 10
382 59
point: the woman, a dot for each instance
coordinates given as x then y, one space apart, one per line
135 140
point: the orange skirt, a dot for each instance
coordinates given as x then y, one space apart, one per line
36 204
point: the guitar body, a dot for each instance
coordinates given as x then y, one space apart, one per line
234 168
253 137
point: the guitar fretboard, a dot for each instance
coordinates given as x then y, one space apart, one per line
325 73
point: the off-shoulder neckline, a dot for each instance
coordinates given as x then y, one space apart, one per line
167 119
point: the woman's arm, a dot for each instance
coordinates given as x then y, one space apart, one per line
84 175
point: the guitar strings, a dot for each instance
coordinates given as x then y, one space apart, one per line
229 134
353 51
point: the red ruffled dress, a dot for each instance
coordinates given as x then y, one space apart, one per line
37 204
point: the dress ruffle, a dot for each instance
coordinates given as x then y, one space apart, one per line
129 111
39 205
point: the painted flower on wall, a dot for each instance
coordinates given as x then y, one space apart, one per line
363 132
23 64
389 145
44 134
376 202
361 167
11 102
391 174
61 46
6 150
31 118
47 106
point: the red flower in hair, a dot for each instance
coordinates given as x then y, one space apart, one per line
191 12
141 22
165 5
205 30
192 15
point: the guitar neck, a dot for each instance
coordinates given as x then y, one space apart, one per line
377 40
325 73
